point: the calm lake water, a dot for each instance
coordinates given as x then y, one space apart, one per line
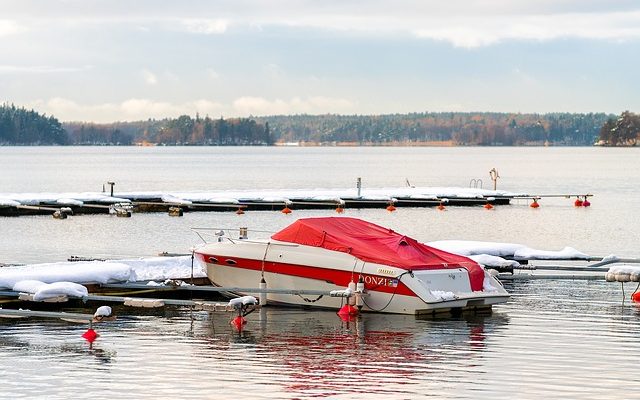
554 339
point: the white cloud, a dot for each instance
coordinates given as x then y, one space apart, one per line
249 105
205 26
129 110
149 77
463 24
8 27
476 32
135 109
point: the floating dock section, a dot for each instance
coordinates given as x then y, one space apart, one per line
285 200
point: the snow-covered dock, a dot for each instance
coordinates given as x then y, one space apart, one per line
122 203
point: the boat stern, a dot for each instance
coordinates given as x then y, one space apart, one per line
451 289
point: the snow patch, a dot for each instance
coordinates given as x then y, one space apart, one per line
129 270
8 202
564 254
442 295
78 272
42 291
610 258
103 311
471 248
28 286
244 300
493 261
222 200
69 202
624 269
56 289
487 286
163 268
341 293
167 198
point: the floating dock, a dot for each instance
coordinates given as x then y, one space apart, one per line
123 204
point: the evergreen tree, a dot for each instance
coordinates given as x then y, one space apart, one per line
19 126
623 131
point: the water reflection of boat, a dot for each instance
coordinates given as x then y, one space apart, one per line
398 274
318 354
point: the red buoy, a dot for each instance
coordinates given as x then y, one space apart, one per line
339 210
635 297
586 203
347 310
391 208
286 210
488 206
535 204
238 322
239 212
578 202
440 207
90 335
347 317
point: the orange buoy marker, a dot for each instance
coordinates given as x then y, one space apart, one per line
534 204
586 203
339 210
578 202
440 207
391 208
90 335
240 211
488 206
286 210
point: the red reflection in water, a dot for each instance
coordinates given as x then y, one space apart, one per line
367 353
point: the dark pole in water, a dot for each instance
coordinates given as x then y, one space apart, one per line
111 184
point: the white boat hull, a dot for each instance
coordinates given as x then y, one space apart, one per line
243 263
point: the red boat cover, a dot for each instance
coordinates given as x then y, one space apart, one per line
373 243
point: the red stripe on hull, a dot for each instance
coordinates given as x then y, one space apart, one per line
337 277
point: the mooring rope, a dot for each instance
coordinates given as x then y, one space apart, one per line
309 300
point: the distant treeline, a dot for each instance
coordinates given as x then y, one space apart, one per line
455 128
183 130
19 126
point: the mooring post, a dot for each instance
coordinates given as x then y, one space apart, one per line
111 184
359 185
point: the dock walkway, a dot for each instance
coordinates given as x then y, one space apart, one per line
123 203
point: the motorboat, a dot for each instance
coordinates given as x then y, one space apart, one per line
383 270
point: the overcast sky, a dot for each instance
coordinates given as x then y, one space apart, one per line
129 60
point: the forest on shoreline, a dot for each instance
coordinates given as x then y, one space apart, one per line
19 126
